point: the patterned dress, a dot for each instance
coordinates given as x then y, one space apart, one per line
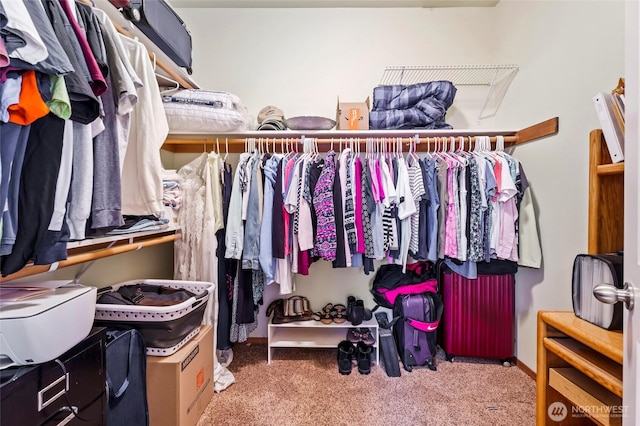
326 239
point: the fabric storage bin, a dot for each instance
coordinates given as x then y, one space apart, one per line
165 328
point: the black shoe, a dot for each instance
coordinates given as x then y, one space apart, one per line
363 355
351 301
357 313
367 313
346 354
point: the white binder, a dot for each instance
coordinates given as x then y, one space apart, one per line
613 134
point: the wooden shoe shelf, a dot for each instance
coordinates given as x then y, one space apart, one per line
314 334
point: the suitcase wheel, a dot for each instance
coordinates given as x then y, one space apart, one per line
449 357
131 13
506 362
431 365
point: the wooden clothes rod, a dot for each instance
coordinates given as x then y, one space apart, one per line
238 145
89 256
235 142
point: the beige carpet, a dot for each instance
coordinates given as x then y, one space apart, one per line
303 387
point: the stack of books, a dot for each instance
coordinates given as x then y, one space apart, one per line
610 109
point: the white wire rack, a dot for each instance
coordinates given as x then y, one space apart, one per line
497 78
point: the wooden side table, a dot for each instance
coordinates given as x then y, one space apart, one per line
579 371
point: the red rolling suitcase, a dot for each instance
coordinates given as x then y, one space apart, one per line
478 318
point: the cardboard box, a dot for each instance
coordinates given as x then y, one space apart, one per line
180 386
352 115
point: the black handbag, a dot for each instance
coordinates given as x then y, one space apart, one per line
590 270
126 365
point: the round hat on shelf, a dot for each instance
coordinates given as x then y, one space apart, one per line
271 118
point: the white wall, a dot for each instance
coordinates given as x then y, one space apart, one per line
567 52
301 60
151 262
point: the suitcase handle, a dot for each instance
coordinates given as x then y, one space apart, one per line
427 327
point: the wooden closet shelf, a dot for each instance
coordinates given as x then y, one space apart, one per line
92 249
578 364
610 169
606 198
201 142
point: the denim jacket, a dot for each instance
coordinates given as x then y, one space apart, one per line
234 239
267 261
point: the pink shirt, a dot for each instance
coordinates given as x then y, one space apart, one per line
305 224
357 202
451 225
285 213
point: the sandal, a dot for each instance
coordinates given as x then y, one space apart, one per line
326 315
339 313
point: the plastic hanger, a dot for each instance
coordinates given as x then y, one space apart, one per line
414 155
169 80
175 84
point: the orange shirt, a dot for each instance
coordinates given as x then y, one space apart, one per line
30 107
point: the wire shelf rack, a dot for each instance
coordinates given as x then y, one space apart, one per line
496 78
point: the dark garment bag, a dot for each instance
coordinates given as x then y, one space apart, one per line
126 360
159 22
388 350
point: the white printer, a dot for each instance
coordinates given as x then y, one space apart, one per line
38 329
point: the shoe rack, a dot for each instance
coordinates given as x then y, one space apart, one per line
314 334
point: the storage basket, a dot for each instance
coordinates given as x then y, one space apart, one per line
165 328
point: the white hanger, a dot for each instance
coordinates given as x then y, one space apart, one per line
163 77
170 80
